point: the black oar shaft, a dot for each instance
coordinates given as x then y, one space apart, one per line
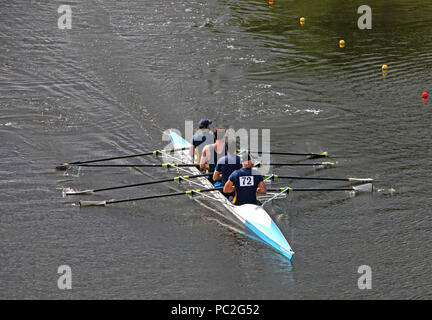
312 189
289 153
164 195
112 158
308 154
145 198
294 153
153 182
127 156
132 185
145 165
169 165
310 178
323 189
299 164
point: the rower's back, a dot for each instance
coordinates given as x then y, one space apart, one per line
215 156
227 165
246 182
216 150
202 138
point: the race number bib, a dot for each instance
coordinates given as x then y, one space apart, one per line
246 181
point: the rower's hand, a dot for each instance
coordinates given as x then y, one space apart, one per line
262 188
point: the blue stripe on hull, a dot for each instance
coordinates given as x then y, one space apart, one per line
177 140
286 251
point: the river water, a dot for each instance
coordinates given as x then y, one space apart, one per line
128 70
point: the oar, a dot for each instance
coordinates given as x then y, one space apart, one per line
359 180
106 202
179 178
145 165
64 166
309 155
173 165
367 187
321 164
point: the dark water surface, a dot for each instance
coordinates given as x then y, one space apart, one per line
128 70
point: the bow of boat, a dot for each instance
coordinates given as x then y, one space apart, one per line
257 220
177 141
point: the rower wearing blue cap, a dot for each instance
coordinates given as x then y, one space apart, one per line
203 137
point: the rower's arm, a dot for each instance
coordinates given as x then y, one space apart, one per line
192 150
217 176
262 188
203 160
229 187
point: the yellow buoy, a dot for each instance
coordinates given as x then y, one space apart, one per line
342 43
302 20
384 67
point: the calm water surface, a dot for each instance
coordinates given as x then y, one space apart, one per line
128 70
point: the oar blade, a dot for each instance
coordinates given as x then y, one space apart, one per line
79 192
62 167
361 180
367 187
324 165
86 203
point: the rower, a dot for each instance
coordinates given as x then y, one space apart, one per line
227 165
201 138
213 152
246 182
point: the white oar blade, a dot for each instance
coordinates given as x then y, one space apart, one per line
368 187
82 192
325 165
360 179
92 203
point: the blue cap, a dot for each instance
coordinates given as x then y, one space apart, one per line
205 122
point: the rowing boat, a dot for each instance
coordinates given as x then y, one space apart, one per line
253 217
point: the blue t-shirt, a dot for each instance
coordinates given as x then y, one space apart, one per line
246 182
228 165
